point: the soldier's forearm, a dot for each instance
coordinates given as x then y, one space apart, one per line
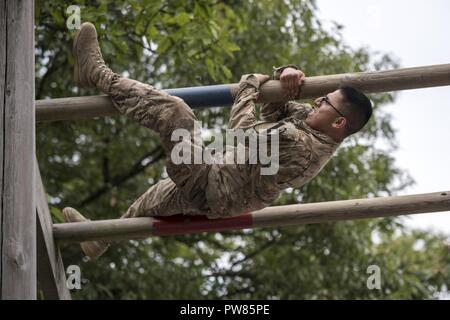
243 110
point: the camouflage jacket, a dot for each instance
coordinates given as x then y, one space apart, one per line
303 151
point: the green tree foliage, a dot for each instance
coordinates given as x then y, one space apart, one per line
100 166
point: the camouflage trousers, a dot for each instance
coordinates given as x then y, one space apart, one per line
214 190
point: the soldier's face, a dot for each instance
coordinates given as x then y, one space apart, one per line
323 117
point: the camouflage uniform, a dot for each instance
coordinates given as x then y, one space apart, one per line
221 190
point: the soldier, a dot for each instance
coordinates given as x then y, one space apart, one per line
308 137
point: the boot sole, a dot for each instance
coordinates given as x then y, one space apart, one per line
93 253
67 218
76 69
76 75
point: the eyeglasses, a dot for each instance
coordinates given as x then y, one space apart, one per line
327 100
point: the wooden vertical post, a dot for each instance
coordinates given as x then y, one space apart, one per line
17 151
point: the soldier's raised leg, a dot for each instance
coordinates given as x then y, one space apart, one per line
152 108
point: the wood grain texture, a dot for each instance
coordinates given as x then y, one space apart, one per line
332 211
2 117
297 214
51 273
18 224
369 82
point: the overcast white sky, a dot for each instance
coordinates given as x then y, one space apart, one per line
417 32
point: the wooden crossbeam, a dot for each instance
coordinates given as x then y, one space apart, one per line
297 214
220 95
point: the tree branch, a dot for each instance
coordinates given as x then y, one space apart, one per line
152 157
254 253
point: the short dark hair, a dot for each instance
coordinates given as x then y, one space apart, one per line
358 108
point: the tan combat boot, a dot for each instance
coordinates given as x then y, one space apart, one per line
93 249
90 68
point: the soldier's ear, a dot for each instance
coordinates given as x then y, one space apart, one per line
339 123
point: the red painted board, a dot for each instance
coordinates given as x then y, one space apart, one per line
183 224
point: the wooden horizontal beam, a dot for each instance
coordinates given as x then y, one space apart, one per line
221 95
297 214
